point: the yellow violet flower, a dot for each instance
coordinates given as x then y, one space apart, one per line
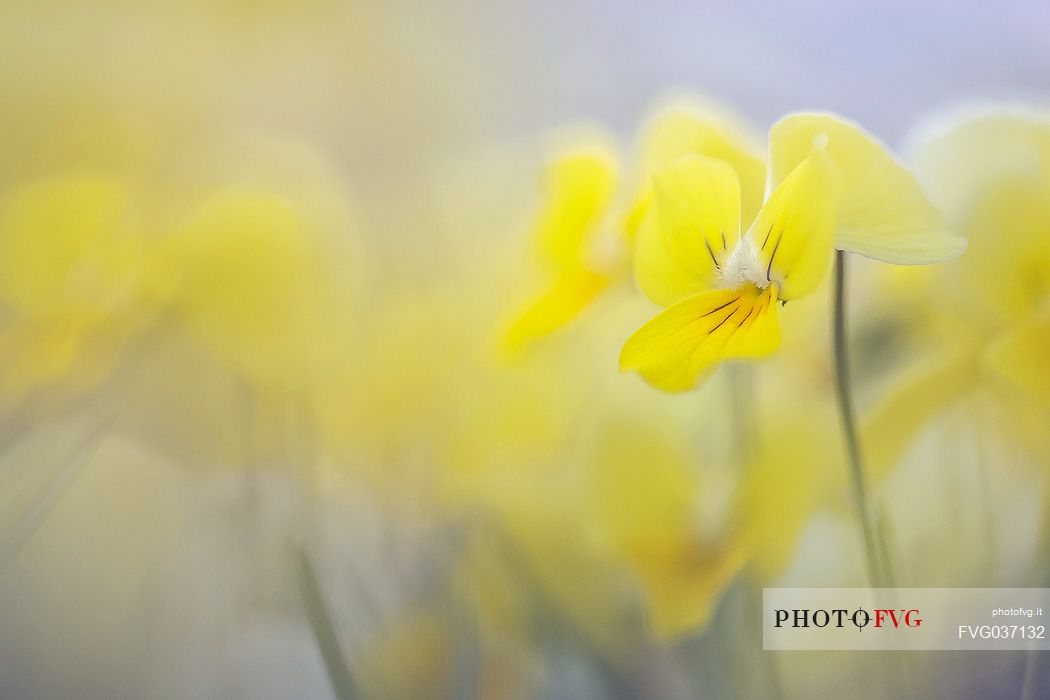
582 237
830 185
988 170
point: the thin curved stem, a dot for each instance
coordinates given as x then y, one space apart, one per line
849 425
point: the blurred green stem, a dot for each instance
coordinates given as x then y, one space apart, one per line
746 444
323 627
742 404
42 504
849 425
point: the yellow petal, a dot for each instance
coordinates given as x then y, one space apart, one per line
991 174
65 244
794 232
579 187
915 399
70 267
648 518
884 213
794 473
570 293
959 155
706 130
1020 356
693 223
690 337
246 280
1006 273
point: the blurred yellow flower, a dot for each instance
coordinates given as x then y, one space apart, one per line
785 482
248 276
72 258
570 237
1020 355
988 170
258 270
583 239
650 520
830 185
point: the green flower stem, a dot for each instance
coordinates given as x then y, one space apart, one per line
742 402
849 426
317 614
41 505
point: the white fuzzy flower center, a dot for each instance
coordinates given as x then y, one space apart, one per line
742 266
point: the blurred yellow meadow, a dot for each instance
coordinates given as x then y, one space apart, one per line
363 350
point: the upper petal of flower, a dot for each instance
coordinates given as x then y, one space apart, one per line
706 130
579 186
693 223
246 281
65 243
793 233
959 155
884 213
71 259
990 172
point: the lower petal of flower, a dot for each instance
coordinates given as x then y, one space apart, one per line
687 339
